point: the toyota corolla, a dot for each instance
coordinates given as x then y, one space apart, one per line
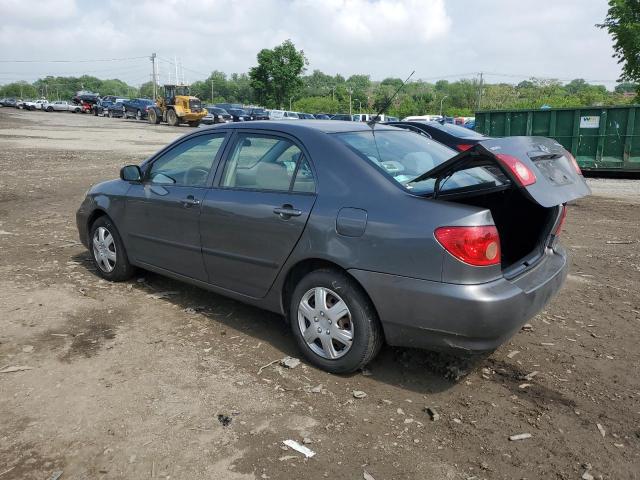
356 234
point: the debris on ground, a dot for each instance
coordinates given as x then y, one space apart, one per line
433 415
520 436
56 475
527 327
287 457
225 420
359 394
529 376
306 440
513 353
16 368
159 295
601 429
27 348
290 362
299 448
367 476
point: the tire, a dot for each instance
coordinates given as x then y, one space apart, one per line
118 268
49 109
360 321
138 115
172 118
194 124
110 114
153 117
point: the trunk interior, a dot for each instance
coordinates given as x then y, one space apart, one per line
523 225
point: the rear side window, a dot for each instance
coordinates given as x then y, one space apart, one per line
263 162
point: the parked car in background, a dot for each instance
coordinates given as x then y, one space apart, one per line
40 103
9 102
227 106
116 110
29 105
102 107
305 116
258 113
216 115
342 116
137 108
239 115
348 266
322 116
62 106
453 136
422 118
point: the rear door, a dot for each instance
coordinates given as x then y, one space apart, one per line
255 214
557 176
163 212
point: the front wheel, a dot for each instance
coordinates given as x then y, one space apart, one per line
333 322
108 252
172 118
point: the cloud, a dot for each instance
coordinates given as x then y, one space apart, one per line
378 37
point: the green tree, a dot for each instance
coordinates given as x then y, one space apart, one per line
623 24
277 77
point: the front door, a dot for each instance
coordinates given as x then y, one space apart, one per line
163 211
253 219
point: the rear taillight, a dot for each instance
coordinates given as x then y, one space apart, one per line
478 246
464 147
574 163
523 174
563 217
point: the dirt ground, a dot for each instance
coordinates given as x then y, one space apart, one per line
135 380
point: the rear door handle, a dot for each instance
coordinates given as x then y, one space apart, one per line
190 201
287 211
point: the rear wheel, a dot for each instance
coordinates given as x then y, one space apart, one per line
108 252
172 118
110 113
334 323
195 123
153 117
138 115
49 109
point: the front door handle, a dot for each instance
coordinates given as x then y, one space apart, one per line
190 201
287 211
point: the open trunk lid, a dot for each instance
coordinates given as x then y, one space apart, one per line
557 180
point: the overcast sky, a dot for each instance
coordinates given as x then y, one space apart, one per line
509 40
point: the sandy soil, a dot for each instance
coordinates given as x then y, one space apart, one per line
129 380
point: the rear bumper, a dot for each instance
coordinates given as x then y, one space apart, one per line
451 317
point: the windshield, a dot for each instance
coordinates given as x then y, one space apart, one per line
405 155
457 131
402 155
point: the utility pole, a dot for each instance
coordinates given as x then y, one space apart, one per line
480 92
153 74
350 90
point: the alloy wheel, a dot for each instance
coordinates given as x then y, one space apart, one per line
325 323
104 249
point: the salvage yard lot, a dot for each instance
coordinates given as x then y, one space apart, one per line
127 380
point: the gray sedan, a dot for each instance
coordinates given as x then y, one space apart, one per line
356 234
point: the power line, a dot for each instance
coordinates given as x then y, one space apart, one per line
74 61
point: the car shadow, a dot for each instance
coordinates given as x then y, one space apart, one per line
420 371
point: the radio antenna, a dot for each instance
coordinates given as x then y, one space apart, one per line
372 122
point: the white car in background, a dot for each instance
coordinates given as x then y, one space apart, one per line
283 115
62 106
423 118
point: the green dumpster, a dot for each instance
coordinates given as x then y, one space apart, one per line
600 138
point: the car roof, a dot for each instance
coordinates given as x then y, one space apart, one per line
326 126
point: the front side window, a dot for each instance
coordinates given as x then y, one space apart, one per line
187 164
262 162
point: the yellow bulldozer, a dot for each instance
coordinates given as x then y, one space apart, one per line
175 106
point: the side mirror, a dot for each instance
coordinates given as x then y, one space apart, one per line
131 173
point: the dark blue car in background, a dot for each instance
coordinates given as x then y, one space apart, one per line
137 108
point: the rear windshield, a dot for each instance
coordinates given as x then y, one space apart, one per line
405 155
457 131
